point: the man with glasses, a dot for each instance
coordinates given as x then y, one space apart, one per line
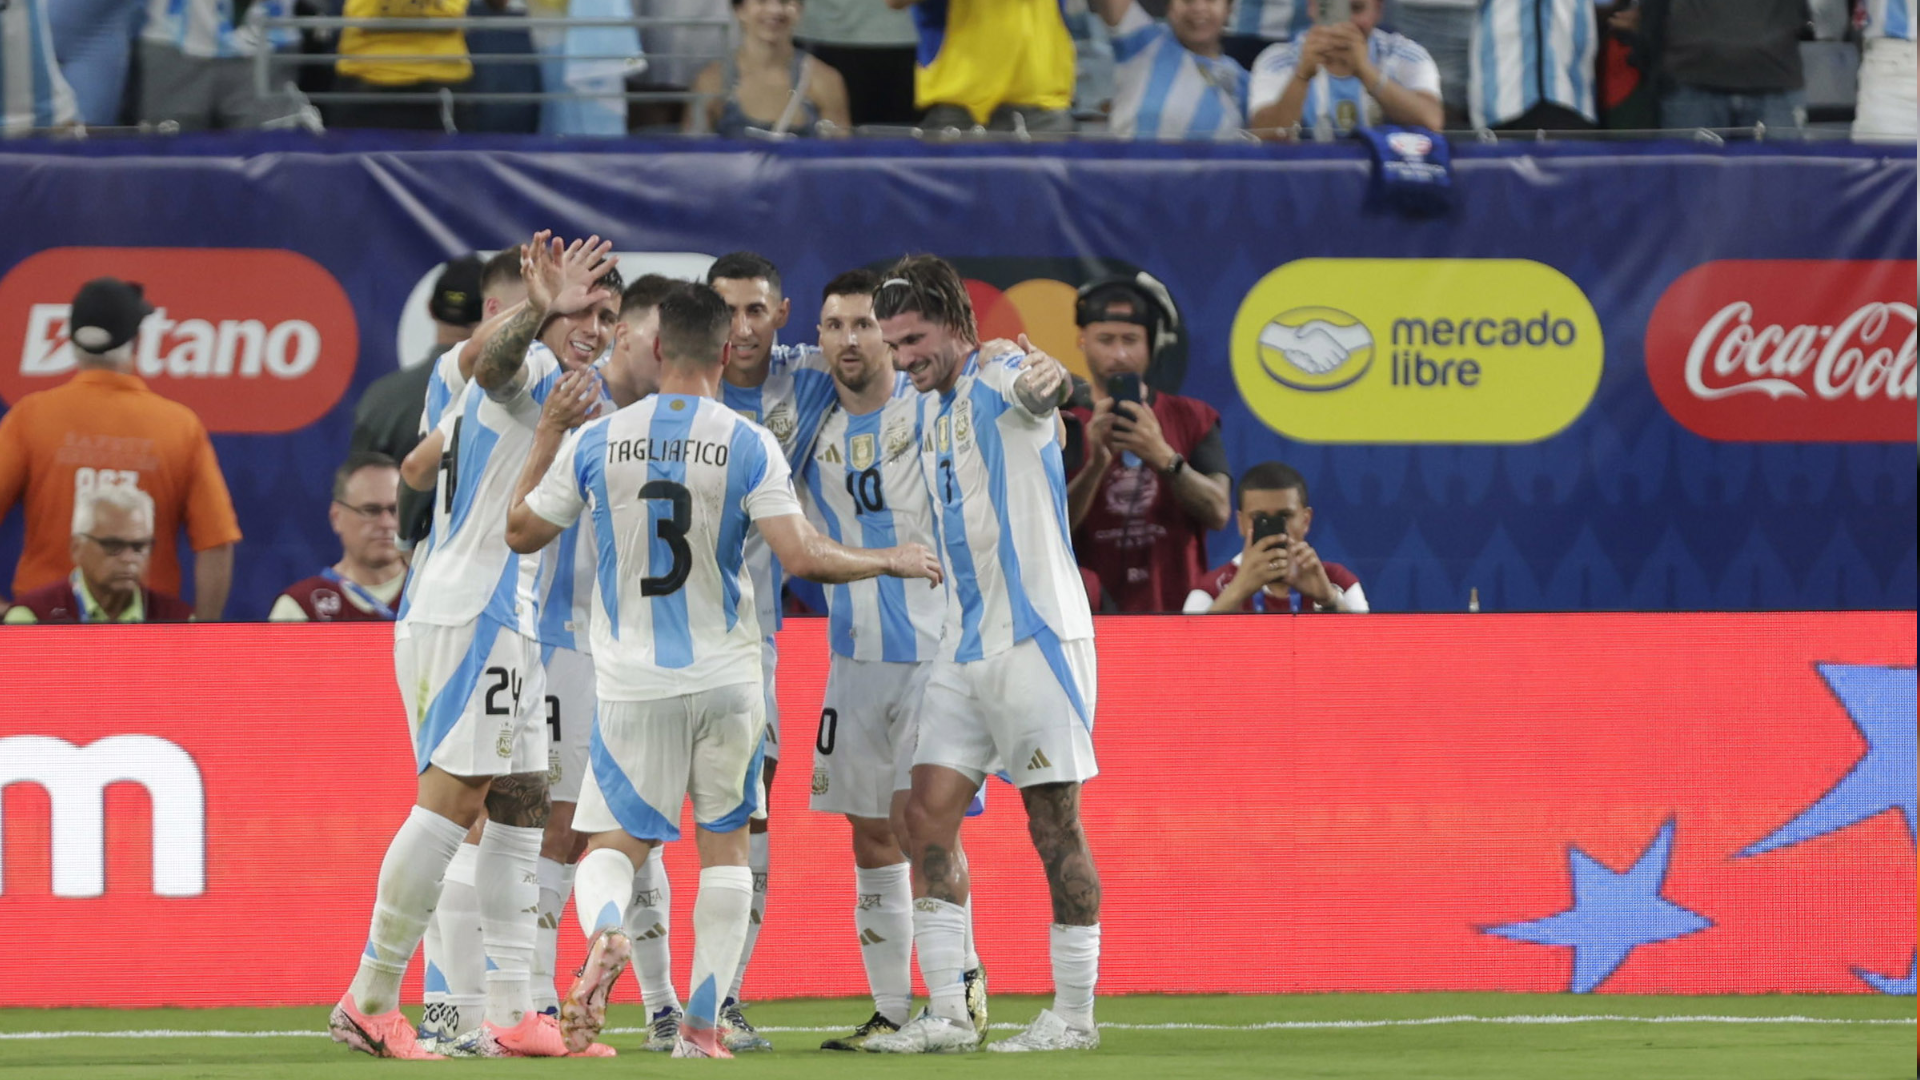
365 584
111 543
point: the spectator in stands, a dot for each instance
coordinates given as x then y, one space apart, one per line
1154 478
1885 107
1257 24
1171 80
388 417
366 583
1726 63
768 83
112 538
1511 88
1345 76
196 63
1279 571
392 62
591 64
103 428
34 96
94 42
1444 28
872 46
1093 65
1000 64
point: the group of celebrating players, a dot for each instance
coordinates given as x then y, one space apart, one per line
586 642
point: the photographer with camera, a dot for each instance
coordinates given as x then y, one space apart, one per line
1154 478
1276 570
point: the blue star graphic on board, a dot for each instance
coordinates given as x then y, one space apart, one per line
1612 915
1892 984
1880 701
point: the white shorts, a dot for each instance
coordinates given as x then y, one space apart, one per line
1029 708
770 659
647 757
475 698
569 713
869 724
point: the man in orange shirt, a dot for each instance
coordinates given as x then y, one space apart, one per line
103 427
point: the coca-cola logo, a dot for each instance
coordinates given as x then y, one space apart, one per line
253 340
1788 350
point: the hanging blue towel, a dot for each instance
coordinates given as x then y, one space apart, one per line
1412 171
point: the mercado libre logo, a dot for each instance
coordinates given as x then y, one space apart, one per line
253 340
1416 350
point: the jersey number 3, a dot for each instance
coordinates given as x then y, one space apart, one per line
673 530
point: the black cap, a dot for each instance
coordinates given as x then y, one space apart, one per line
1116 300
106 314
456 296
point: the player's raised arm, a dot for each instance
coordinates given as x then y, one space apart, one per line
559 282
423 461
804 552
1043 385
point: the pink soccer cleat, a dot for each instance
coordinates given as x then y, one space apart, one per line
536 1035
584 1010
389 1035
696 1042
595 1050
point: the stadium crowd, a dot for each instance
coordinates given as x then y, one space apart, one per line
1143 69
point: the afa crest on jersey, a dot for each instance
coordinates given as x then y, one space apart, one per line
860 451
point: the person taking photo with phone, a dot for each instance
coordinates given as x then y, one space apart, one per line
1276 570
1153 479
1344 74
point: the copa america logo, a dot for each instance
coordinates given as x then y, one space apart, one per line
1409 144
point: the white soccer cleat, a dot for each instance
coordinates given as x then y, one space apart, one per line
926 1034
1049 1032
663 1031
739 1035
977 999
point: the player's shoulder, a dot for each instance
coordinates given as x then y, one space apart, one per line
787 359
1401 47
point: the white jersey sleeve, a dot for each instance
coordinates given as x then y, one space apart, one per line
444 387
561 494
1272 70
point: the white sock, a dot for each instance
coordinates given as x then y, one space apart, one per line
939 935
556 884
464 962
509 912
720 916
409 888
973 955
883 915
649 916
433 985
1076 968
756 862
601 887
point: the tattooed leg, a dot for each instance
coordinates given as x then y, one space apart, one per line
519 800
1053 820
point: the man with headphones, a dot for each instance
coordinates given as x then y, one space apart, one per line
1153 479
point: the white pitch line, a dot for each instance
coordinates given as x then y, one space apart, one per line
1273 1025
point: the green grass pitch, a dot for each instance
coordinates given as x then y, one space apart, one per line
1335 1036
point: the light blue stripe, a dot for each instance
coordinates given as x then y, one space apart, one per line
545 386
986 436
703 1008
1129 45
556 607
438 394
1054 462
672 634
1579 64
953 539
505 590
590 469
1207 115
477 441
839 597
746 470
1489 68
749 795
1057 660
40 61
436 981
609 917
1530 56
451 702
1899 20
1165 71
636 818
897 640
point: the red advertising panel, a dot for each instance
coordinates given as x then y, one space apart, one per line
1622 803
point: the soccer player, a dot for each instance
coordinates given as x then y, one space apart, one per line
471 680
785 389
674 484
1014 682
863 486
627 374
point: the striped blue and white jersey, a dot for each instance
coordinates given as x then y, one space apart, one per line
1163 90
1275 20
1528 51
1338 106
33 93
469 570
862 486
790 404
674 484
999 494
1889 19
444 386
205 28
565 583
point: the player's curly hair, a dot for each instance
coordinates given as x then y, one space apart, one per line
931 286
